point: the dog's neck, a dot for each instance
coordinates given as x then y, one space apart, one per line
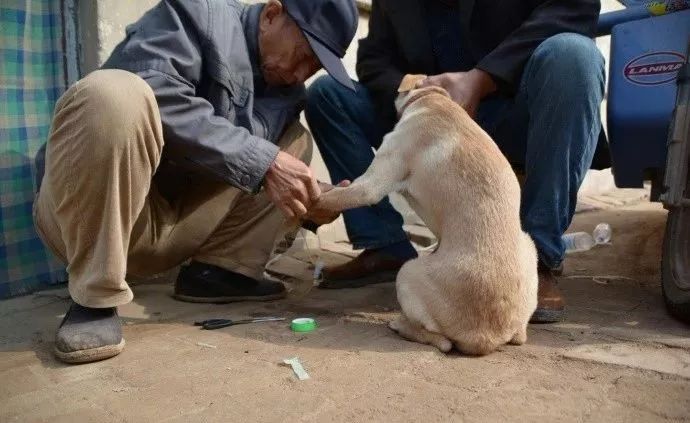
417 96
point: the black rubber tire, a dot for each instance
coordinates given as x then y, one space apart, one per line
675 264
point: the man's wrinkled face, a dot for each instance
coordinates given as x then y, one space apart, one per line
286 56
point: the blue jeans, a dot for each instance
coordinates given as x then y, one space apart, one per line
549 129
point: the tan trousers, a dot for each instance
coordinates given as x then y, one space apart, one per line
102 211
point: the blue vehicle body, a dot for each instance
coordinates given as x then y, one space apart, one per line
649 124
646 53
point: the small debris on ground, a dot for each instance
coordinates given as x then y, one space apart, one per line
205 345
297 368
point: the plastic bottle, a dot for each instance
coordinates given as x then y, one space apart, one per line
602 234
578 241
310 243
298 241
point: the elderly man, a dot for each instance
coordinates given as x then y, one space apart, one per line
162 155
527 70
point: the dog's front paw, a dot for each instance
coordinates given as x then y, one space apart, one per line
330 201
320 215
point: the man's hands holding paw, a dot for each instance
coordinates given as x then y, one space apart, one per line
292 187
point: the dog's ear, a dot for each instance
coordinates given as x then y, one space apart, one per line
409 82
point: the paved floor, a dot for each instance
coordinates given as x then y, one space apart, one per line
618 357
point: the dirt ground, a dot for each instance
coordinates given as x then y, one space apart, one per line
617 358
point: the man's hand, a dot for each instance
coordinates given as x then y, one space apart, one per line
465 88
320 216
291 186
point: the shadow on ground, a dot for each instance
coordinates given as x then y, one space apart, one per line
617 357
615 286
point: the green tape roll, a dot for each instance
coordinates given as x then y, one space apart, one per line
303 324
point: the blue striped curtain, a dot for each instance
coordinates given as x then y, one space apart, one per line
32 77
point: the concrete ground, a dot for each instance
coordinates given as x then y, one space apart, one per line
618 357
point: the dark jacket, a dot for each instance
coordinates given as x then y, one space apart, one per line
200 57
499 36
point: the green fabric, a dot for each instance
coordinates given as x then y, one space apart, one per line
31 80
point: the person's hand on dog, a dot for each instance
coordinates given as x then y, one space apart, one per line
318 215
291 185
465 88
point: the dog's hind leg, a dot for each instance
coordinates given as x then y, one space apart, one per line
520 336
415 333
415 322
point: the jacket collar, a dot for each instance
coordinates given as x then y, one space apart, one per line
250 24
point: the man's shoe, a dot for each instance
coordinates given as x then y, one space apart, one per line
206 283
89 334
370 267
550 303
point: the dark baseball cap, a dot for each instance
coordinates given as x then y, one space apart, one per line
329 26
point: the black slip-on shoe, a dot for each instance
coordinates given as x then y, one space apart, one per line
206 283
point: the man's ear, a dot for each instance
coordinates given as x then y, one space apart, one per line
409 82
272 10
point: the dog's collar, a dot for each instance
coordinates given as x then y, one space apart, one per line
417 96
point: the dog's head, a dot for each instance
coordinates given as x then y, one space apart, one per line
409 91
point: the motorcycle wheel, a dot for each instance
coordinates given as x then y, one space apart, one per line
675 264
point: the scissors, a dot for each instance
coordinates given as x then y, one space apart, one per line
212 324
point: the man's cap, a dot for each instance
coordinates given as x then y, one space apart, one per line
329 26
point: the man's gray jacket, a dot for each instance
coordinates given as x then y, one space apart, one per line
201 59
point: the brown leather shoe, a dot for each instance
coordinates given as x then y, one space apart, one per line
550 303
368 268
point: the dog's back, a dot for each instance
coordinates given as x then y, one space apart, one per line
479 287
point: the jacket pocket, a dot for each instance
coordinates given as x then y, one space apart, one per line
239 93
265 130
